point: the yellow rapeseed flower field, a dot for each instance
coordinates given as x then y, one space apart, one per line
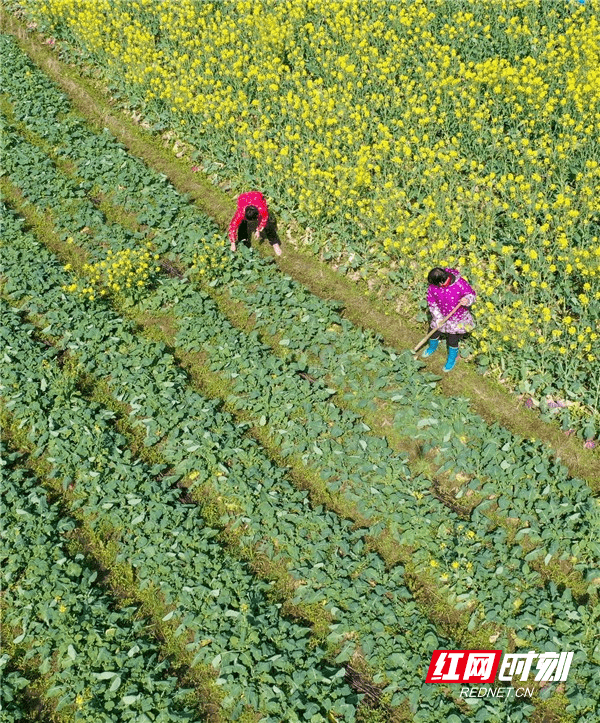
412 134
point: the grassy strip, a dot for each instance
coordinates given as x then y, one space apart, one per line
30 700
489 399
119 579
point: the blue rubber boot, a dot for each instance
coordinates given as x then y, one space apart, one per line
451 361
433 345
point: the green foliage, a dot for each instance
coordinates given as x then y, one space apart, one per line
265 661
88 657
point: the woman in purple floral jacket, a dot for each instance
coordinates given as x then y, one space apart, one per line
447 289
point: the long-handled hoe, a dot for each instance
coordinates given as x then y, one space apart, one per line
437 328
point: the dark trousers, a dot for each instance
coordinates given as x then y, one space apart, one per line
451 339
247 228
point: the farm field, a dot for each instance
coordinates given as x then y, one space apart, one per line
393 138
277 506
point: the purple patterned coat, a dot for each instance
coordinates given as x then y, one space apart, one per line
442 300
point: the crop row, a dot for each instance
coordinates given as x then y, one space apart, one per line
69 641
365 371
95 355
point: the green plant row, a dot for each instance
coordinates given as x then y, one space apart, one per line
96 354
90 659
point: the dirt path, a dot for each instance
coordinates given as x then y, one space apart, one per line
488 398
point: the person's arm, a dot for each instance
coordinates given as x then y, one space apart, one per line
235 224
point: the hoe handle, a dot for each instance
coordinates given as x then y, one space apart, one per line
437 328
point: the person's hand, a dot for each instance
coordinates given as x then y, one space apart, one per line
277 249
233 246
464 302
256 235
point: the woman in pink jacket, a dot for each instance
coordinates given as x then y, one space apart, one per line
252 216
447 289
